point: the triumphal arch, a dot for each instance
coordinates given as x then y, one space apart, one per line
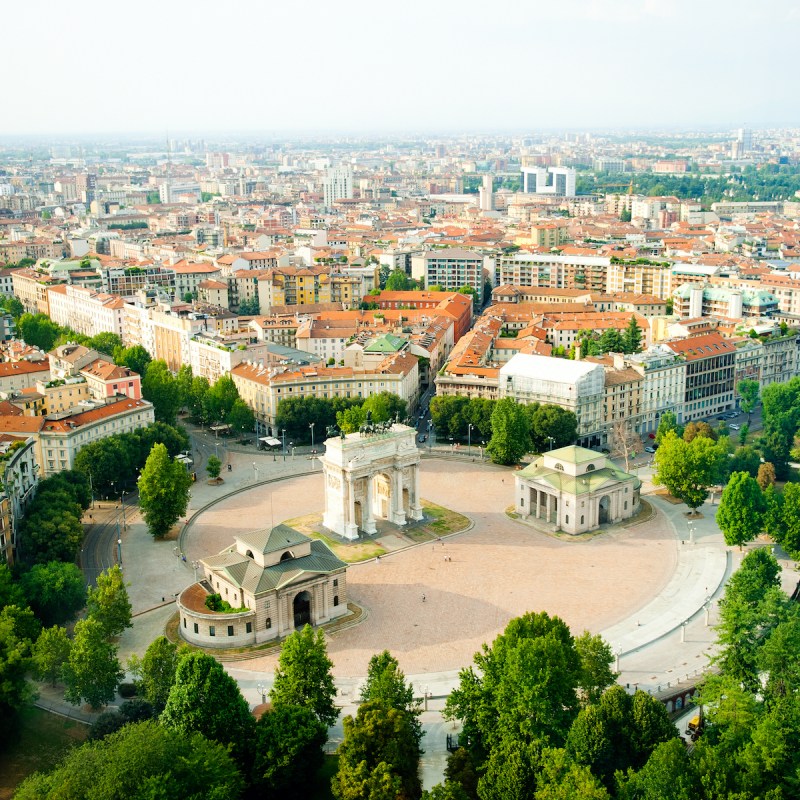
368 475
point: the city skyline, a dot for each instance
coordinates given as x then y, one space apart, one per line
357 68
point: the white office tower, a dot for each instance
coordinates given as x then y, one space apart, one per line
337 185
486 194
744 136
556 181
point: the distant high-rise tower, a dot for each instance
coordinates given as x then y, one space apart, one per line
486 194
745 138
535 180
337 185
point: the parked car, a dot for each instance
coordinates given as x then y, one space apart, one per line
734 427
649 449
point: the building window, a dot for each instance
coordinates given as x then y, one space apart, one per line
335 582
212 631
336 600
196 628
566 519
560 466
626 505
590 468
581 519
230 630
269 623
248 626
184 622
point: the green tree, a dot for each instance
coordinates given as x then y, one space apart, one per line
184 380
15 659
142 761
511 771
745 459
524 687
695 429
11 593
157 670
205 699
249 307
50 653
777 660
105 343
55 591
619 732
303 677
13 306
669 774
108 602
790 538
136 358
161 389
288 746
748 390
385 406
38 330
378 736
351 419
398 281
109 463
551 422
741 510
197 397
669 422
688 469
510 433
560 778
220 398
241 417
632 338
213 467
596 659
611 341
163 491
744 431
773 514
93 671
52 532
461 770
386 685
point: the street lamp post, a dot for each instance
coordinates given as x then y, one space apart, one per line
195 565
119 551
470 426
291 447
430 434
262 690
283 446
551 439
311 425
255 470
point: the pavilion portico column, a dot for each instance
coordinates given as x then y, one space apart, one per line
549 506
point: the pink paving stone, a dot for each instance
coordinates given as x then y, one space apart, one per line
498 570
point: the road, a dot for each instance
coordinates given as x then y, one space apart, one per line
100 550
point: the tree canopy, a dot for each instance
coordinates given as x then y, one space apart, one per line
510 432
303 677
688 469
163 491
108 602
741 510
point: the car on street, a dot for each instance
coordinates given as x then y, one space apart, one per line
734 427
649 449
422 438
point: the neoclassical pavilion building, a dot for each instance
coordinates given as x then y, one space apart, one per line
575 490
279 578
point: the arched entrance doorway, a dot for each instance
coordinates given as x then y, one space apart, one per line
383 495
603 509
302 609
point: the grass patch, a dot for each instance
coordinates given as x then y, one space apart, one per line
310 525
439 521
40 742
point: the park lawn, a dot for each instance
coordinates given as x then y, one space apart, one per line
439 521
40 743
309 524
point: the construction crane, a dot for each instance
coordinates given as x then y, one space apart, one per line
616 185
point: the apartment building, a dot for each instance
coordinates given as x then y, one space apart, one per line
651 278
663 385
577 386
710 368
452 268
459 307
263 388
188 276
30 288
86 311
693 300
294 286
126 280
213 355
19 474
556 271
15 376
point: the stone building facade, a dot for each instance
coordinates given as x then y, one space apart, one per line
277 580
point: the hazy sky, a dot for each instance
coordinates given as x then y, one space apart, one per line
416 65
